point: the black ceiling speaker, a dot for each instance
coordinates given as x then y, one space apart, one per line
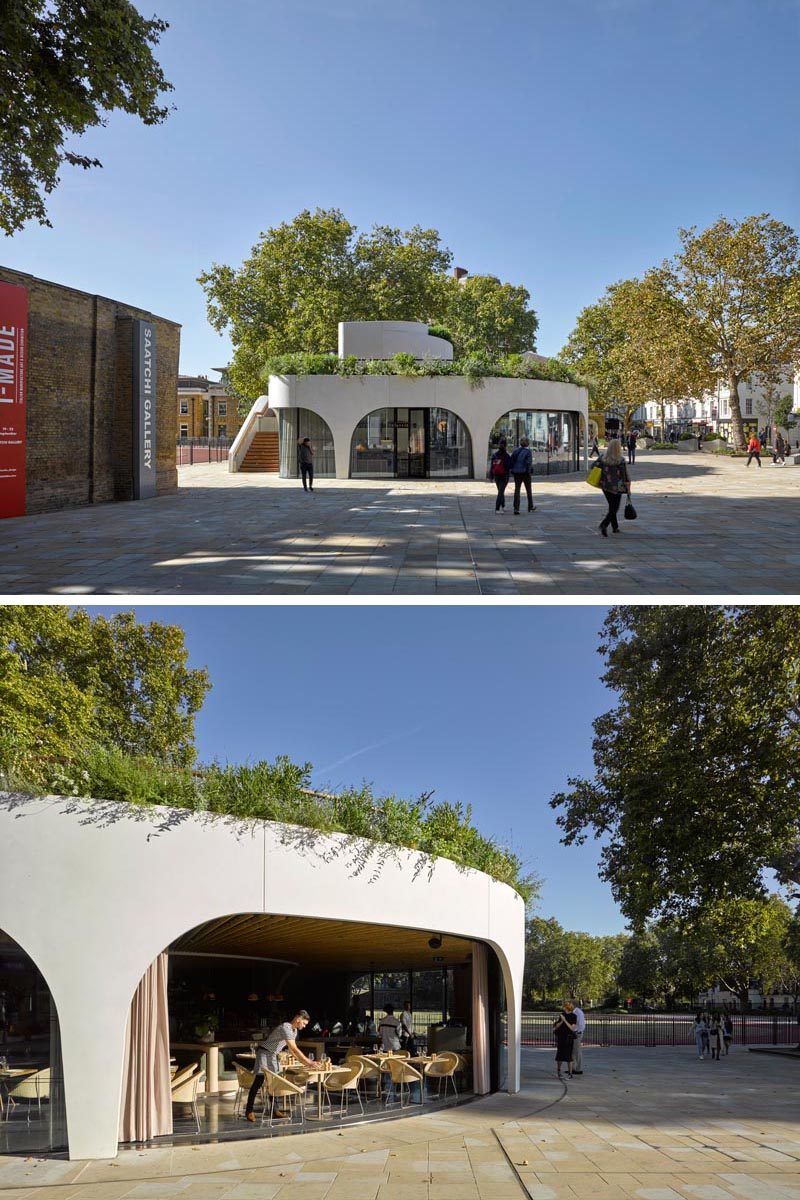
435 941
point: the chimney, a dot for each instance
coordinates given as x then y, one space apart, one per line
460 273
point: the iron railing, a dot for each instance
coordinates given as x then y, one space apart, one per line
189 451
662 1029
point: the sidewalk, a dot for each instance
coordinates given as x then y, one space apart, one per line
707 525
655 1124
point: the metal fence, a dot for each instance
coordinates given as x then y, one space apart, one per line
662 1029
189 451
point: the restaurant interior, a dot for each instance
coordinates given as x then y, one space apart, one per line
229 981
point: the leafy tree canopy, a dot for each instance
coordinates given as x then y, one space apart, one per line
64 65
304 276
695 790
70 680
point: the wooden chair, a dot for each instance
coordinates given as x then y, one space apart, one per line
184 1090
443 1070
33 1089
344 1083
404 1076
369 1071
289 1094
245 1079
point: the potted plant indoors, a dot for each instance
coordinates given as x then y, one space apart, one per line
205 1025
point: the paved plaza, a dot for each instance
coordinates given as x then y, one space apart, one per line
655 1124
707 525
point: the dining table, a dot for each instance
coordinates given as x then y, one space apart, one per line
10 1075
316 1075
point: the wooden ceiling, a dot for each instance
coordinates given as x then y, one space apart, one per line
345 945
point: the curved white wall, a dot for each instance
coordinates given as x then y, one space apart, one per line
383 339
343 400
93 891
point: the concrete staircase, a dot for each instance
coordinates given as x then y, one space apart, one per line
263 454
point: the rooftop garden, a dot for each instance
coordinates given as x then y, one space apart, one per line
476 367
103 708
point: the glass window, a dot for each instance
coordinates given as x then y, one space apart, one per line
552 438
449 446
184 407
296 424
222 431
222 408
748 407
184 431
428 998
372 451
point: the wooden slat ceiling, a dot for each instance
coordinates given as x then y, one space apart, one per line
347 945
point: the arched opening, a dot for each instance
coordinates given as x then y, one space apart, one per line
411 443
554 438
31 1073
296 424
233 979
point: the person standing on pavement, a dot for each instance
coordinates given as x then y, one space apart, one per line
632 435
306 455
521 466
577 1045
753 449
715 1037
499 469
727 1032
701 1034
267 1051
564 1029
780 450
615 483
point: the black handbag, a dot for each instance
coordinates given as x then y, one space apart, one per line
630 511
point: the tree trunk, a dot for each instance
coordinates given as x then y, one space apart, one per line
737 427
663 409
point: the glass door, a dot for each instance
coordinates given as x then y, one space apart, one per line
417 427
401 455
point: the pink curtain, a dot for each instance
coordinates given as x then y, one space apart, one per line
146 1108
480 1020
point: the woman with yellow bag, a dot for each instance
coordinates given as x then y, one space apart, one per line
615 482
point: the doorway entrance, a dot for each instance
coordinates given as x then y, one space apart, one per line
410 443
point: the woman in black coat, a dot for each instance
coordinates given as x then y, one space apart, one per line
564 1029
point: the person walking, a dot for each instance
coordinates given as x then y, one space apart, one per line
727 1032
615 483
715 1037
307 465
521 466
632 435
753 449
564 1029
595 448
701 1034
577 1046
780 450
499 470
280 1038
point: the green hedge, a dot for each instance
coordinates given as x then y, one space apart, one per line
279 791
475 367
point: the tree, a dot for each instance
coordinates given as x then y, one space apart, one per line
304 276
740 941
69 680
695 790
64 65
738 285
630 343
783 413
544 957
488 317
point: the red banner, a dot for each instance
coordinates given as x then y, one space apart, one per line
13 354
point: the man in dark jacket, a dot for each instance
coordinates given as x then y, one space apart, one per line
306 455
521 466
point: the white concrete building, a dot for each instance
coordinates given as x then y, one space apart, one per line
97 898
391 426
712 410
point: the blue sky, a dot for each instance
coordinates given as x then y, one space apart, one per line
556 144
489 706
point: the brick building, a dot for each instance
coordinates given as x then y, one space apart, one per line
80 404
206 408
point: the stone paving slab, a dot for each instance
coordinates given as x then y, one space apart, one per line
650 1124
707 526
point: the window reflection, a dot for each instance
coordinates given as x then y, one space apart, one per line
299 423
411 443
552 437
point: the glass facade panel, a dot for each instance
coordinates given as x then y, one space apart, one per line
552 436
373 446
411 443
449 446
296 424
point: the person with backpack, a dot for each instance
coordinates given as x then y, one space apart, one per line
753 449
615 483
521 466
499 470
